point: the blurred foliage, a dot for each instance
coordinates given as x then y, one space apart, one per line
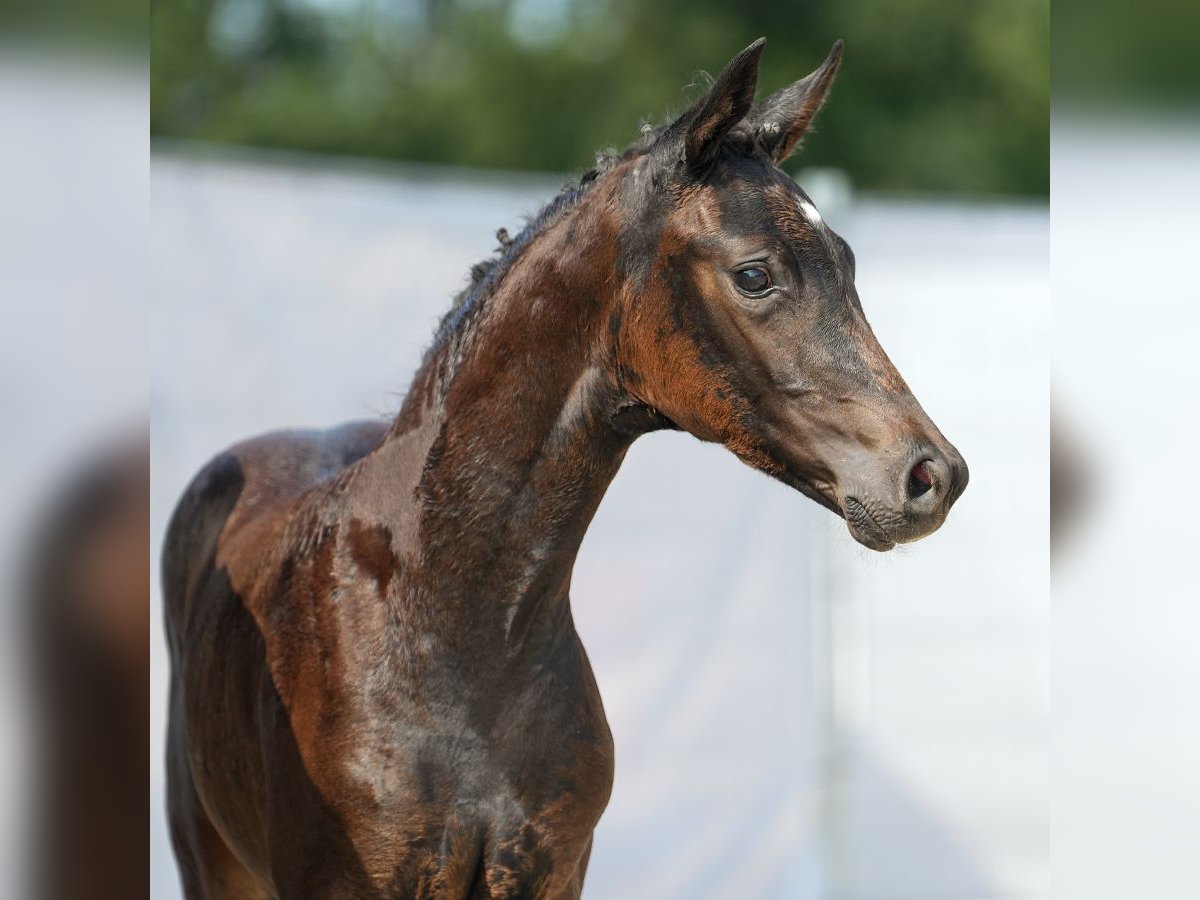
935 95
81 25
1111 55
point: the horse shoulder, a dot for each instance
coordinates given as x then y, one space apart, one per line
257 479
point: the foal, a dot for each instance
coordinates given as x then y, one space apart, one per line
377 689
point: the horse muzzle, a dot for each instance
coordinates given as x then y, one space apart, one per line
908 503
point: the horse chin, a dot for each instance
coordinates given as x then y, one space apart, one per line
870 538
865 527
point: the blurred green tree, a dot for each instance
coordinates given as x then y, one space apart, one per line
935 95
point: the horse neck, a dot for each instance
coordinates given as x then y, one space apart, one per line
507 441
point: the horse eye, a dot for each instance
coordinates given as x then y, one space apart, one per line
753 280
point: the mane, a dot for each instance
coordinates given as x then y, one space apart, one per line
486 275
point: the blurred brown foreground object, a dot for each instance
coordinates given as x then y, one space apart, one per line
1070 486
87 616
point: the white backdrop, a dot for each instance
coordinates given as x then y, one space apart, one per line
794 716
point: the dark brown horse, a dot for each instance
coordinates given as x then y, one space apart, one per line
377 688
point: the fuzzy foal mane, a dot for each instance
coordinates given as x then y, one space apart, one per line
487 274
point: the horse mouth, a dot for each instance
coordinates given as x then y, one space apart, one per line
864 527
860 521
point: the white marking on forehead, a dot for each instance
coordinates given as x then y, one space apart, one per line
809 212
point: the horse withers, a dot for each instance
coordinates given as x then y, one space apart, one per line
377 689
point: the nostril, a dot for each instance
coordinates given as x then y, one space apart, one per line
920 480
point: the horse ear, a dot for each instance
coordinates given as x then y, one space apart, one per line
783 118
723 107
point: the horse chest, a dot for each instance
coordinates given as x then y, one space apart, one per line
521 800
526 754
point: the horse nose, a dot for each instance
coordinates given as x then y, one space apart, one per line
935 480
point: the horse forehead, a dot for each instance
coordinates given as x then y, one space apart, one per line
794 213
754 201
